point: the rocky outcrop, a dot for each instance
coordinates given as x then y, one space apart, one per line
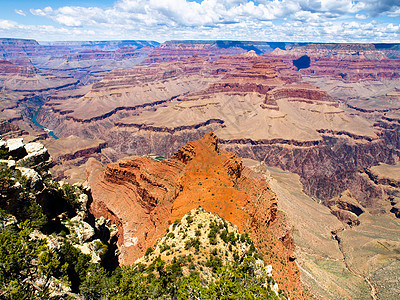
201 236
346 208
324 171
16 147
37 156
169 130
9 129
20 76
8 68
51 216
147 196
171 51
31 155
354 70
299 92
20 48
383 179
334 51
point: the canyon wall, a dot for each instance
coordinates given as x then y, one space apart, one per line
145 196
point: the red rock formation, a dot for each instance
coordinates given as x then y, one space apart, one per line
7 67
333 51
354 70
96 54
346 62
298 92
19 67
19 48
144 196
171 52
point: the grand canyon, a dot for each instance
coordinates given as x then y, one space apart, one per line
296 145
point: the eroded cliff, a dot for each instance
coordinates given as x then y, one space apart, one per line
145 196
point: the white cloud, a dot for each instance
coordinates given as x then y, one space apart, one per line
20 12
361 16
6 24
42 12
395 13
271 20
68 21
174 12
178 13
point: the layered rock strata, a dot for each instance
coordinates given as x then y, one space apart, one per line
144 196
258 106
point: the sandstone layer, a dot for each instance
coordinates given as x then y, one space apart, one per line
144 197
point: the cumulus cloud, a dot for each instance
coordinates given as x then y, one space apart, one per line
47 11
189 13
213 12
6 24
272 20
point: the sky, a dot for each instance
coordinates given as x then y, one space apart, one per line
362 21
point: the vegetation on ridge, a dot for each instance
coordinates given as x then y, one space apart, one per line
218 263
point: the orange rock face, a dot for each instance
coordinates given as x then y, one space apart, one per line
143 197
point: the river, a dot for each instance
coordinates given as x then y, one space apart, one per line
49 132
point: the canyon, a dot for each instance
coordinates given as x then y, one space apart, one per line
324 138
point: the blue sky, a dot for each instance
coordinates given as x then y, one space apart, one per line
161 20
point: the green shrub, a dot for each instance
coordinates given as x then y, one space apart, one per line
189 220
212 237
224 235
232 238
195 243
148 251
70 195
164 247
4 154
176 223
214 262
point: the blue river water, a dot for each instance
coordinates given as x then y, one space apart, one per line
49 132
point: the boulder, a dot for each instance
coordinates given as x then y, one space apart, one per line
34 147
32 176
16 147
37 156
345 216
96 249
11 164
346 208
